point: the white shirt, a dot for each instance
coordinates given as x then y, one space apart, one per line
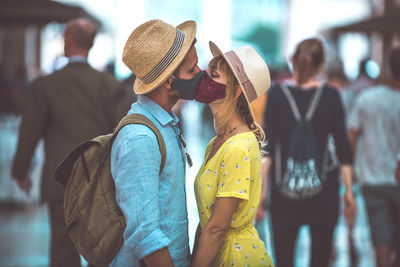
376 114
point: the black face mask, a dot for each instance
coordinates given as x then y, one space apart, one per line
187 88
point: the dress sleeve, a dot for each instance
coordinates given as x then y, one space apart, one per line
234 173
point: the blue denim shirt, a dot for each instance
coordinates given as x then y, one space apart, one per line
154 204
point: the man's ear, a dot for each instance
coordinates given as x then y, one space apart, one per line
67 46
238 92
168 82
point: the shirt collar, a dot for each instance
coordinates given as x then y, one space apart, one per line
81 59
160 114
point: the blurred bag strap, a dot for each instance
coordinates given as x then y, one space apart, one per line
315 101
292 102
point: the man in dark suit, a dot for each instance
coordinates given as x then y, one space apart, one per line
65 108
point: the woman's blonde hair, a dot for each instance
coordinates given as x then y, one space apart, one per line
230 104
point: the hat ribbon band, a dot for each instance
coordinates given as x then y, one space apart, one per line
237 64
166 60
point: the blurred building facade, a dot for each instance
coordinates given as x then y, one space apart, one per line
21 24
380 29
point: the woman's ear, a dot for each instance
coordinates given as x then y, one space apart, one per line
238 92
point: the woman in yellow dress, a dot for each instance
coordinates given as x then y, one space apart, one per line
228 184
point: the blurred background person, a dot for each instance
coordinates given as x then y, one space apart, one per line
319 211
355 87
65 108
375 136
335 75
350 91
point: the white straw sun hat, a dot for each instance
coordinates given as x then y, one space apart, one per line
154 50
249 69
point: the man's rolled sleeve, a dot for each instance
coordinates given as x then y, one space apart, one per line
135 165
154 241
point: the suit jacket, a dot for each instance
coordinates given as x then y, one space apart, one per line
66 108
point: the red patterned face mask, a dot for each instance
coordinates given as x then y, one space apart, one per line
209 90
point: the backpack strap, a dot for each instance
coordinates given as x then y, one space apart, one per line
314 102
292 102
141 119
293 105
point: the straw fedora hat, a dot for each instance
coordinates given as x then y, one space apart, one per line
249 69
154 50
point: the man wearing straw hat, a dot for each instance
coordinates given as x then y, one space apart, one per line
164 60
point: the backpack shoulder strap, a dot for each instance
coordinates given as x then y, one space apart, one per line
291 101
141 119
314 102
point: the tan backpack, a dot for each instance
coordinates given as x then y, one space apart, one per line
94 221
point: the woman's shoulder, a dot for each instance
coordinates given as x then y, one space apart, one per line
275 89
332 93
331 89
240 142
275 94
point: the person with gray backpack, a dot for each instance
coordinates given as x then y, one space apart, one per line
299 118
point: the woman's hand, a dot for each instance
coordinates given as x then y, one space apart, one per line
260 213
213 234
350 208
196 242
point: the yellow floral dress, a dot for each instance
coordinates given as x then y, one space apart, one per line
234 171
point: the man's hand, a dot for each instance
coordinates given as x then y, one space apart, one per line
25 184
158 258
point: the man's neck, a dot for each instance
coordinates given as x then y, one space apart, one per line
76 53
162 97
162 102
